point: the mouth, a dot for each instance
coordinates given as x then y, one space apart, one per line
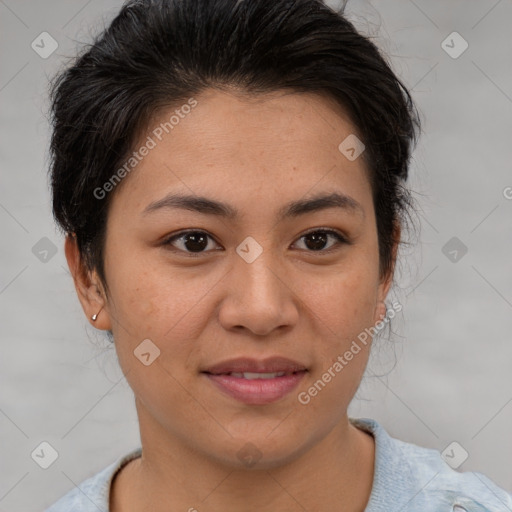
255 367
255 375
256 382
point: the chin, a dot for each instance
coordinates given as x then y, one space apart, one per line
258 452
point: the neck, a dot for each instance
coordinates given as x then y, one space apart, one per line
338 470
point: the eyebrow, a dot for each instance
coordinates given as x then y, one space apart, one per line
293 209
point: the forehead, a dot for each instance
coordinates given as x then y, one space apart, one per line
241 146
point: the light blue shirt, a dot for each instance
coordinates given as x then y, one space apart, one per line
407 478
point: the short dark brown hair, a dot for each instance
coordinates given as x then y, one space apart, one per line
158 53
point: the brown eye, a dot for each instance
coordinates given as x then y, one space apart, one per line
316 241
190 241
195 242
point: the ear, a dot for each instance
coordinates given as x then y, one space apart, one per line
88 286
385 284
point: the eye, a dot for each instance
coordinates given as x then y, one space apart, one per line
190 241
315 241
194 242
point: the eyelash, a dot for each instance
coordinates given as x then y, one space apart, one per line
341 240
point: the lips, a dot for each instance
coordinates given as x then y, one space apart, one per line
256 382
248 368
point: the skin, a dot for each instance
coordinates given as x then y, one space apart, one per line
256 154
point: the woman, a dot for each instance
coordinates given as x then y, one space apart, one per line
230 176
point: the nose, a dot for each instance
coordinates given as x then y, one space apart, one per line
259 297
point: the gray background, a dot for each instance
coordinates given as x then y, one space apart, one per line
60 379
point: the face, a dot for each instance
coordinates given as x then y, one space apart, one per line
283 263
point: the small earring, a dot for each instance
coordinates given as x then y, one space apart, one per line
96 315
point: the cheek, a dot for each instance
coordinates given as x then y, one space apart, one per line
172 317
142 292
343 302
343 309
169 308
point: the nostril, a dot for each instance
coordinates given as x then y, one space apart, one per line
459 508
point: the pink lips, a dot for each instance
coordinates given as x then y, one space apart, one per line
256 391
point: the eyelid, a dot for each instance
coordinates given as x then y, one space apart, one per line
330 231
168 239
342 239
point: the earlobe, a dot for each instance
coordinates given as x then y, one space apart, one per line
385 285
380 307
95 316
87 286
380 312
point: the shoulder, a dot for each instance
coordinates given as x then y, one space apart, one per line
93 494
414 478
